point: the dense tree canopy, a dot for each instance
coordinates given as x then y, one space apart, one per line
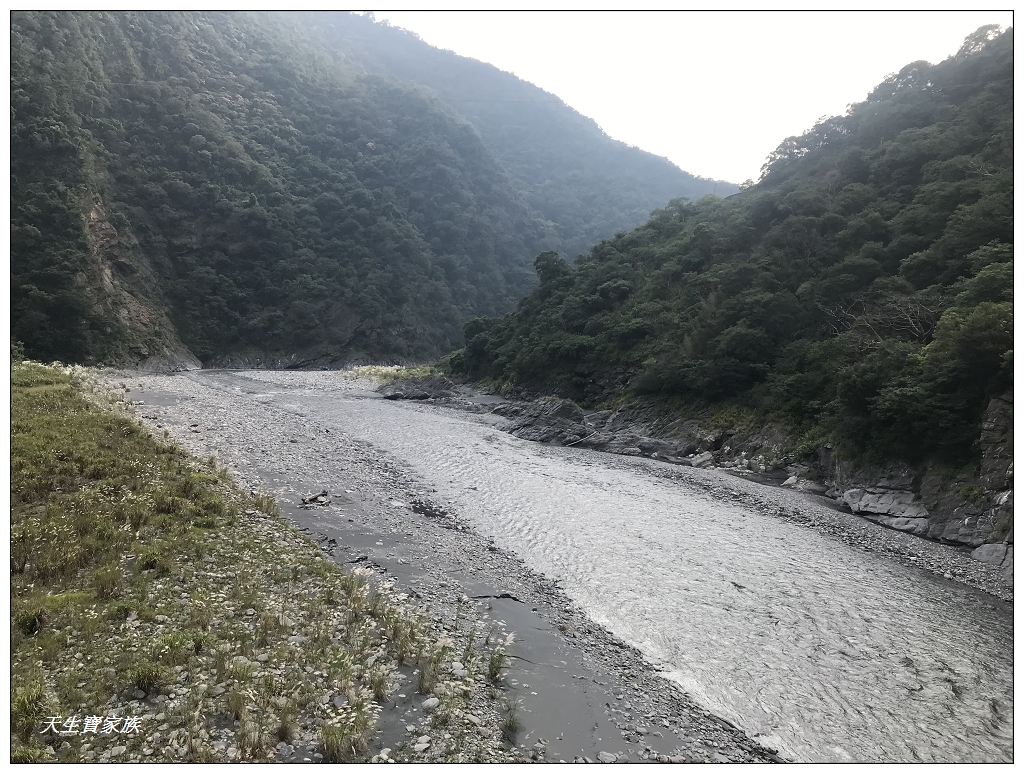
584 185
245 183
861 290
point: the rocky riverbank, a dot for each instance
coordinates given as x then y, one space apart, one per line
972 510
181 620
575 690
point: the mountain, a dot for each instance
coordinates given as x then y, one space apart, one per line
584 184
245 189
860 293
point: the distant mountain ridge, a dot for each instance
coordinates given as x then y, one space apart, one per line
572 173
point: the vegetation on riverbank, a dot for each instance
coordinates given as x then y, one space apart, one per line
385 374
147 589
859 294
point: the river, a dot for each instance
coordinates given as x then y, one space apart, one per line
813 647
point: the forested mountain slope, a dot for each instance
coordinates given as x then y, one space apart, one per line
585 184
861 292
216 173
240 187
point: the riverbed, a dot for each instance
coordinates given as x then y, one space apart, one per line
812 646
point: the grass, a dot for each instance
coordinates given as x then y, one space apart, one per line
29 702
238 701
511 723
345 735
136 567
87 485
173 649
286 723
107 581
496 663
265 502
147 675
380 683
386 374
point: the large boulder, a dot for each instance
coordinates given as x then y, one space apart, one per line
878 501
915 526
703 460
893 508
997 554
547 420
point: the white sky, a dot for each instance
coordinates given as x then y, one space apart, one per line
713 91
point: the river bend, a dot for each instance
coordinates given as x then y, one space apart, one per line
815 648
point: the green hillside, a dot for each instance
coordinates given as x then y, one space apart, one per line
216 167
860 292
585 185
242 187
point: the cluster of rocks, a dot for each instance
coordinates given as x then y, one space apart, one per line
561 421
419 388
965 510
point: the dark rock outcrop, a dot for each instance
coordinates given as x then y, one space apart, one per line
419 388
548 420
997 554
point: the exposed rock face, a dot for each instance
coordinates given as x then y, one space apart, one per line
894 508
964 509
548 420
884 502
419 388
974 510
997 554
125 287
997 464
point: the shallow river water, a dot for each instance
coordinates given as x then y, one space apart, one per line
820 650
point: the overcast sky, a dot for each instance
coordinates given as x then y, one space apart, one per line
714 91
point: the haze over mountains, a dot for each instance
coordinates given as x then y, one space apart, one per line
584 185
276 189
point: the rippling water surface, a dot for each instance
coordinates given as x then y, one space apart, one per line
819 650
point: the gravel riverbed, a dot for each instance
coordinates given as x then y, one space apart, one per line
583 692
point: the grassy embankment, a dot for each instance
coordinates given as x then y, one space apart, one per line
387 374
145 584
